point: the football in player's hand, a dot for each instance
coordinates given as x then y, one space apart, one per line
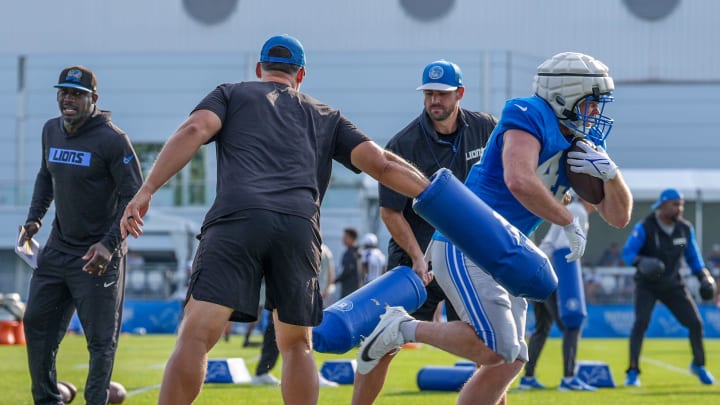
589 188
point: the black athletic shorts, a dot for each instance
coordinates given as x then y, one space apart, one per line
235 253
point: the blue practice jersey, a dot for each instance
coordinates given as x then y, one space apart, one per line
532 115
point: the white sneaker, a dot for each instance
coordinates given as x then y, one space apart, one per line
385 338
324 382
264 379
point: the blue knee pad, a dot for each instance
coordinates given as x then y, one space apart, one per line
355 316
486 237
571 292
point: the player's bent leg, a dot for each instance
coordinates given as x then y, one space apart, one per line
202 326
367 386
489 384
457 338
299 373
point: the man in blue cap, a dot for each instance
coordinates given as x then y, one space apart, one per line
275 151
444 135
656 248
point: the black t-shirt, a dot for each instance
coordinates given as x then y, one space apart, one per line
421 145
275 148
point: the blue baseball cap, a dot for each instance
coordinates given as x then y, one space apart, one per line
441 75
668 194
297 53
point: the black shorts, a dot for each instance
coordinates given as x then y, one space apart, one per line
236 253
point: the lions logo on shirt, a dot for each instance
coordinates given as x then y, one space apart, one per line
69 157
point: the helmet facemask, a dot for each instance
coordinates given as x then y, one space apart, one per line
565 81
581 120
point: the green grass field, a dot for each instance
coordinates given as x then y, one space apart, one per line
140 362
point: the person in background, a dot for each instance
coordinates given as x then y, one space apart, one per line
326 278
593 285
269 354
268 359
656 248
611 256
265 223
349 278
713 261
90 171
713 258
548 312
444 135
373 262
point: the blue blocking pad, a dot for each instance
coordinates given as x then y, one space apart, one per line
486 237
440 378
570 292
355 316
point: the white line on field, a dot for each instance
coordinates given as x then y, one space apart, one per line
666 365
142 389
155 387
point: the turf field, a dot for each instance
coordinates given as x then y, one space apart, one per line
140 363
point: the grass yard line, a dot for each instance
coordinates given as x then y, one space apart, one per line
157 386
666 365
143 389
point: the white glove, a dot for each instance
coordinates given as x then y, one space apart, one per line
577 239
594 161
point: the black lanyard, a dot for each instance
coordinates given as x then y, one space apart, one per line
455 145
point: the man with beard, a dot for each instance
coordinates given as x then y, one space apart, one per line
656 247
444 135
90 170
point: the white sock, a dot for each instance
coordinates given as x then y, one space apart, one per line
408 329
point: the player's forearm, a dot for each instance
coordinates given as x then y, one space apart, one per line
41 199
402 233
616 206
402 177
389 169
534 196
177 152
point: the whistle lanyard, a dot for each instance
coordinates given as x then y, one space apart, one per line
454 145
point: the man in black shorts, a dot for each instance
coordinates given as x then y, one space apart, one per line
89 169
444 135
275 147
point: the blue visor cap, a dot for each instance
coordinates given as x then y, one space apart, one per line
441 75
297 53
669 194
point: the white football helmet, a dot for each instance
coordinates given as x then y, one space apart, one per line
369 240
568 78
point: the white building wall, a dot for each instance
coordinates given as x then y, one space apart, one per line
154 62
671 48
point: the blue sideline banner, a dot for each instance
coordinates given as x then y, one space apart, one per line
603 321
608 321
151 316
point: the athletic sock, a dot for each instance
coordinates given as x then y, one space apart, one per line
408 329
